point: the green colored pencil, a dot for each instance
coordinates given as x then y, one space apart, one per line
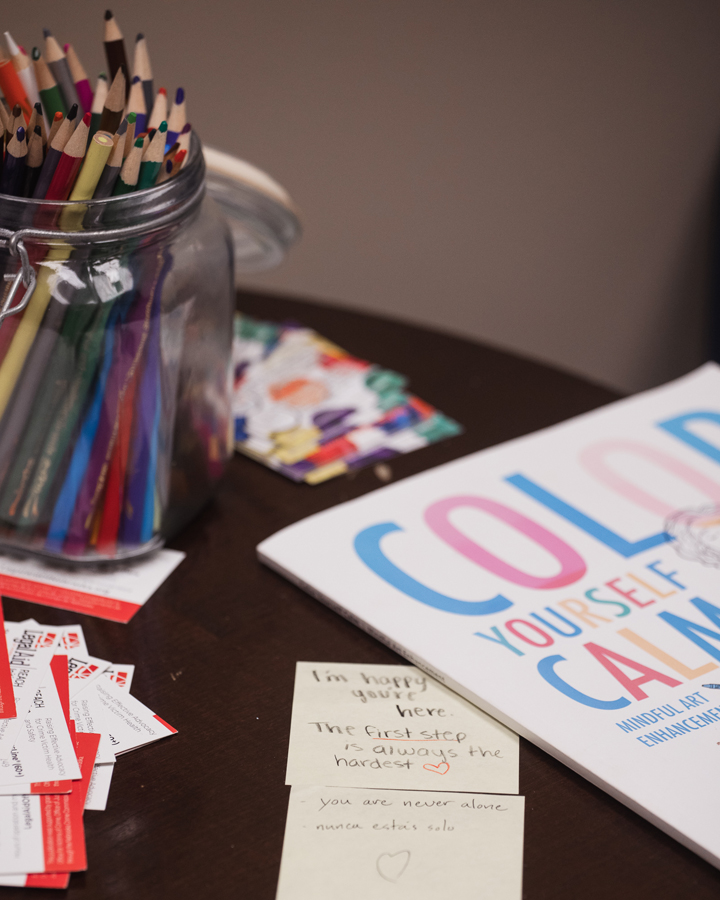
127 182
101 91
152 161
50 94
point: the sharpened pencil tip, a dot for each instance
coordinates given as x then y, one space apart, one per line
140 36
136 79
35 53
38 108
17 109
73 112
47 33
108 15
163 127
179 96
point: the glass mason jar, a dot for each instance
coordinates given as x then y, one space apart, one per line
115 367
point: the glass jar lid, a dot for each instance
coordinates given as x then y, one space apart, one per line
263 220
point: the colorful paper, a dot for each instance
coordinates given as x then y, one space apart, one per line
308 409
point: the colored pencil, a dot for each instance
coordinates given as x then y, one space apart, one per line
16 120
129 350
89 337
32 123
34 161
50 94
70 162
54 154
112 507
184 139
12 180
56 60
152 159
79 76
129 135
65 503
112 113
98 104
115 51
24 68
12 87
41 398
177 118
177 163
143 69
98 152
141 473
160 109
169 154
165 171
130 171
41 122
136 104
56 123
111 171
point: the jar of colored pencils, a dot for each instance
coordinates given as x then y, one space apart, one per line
115 340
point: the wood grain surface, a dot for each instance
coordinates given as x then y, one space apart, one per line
202 814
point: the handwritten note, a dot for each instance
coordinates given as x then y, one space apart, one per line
360 844
393 727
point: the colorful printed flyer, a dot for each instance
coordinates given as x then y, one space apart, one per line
401 845
307 408
394 727
115 594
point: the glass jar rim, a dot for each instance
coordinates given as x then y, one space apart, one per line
138 208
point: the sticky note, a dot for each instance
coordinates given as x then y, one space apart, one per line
405 845
395 727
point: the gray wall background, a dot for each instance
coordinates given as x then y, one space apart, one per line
533 173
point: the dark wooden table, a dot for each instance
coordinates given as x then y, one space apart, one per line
202 814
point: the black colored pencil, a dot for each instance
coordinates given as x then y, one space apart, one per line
13 173
34 162
115 51
112 113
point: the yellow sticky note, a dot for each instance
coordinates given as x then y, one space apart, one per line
394 727
401 845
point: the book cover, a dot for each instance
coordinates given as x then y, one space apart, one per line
568 583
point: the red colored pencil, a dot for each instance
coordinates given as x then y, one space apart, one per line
114 492
70 162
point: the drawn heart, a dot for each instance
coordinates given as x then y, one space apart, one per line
441 768
390 866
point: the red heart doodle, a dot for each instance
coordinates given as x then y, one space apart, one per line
441 768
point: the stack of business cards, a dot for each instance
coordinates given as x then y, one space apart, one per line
307 408
64 718
400 789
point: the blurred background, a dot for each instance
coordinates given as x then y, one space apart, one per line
536 175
